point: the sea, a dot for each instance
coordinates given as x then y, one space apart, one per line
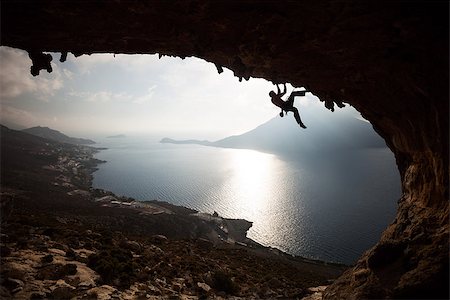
325 207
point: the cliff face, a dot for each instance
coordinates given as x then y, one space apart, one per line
387 59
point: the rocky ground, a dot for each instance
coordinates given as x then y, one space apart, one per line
61 239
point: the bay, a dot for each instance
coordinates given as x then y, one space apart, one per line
327 207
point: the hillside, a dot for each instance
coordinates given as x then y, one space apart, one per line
61 239
326 132
55 135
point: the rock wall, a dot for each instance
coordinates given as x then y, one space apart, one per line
387 59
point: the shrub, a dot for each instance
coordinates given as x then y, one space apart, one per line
222 282
114 265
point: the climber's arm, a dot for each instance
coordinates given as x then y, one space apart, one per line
284 92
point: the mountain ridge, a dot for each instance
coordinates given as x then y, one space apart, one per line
328 132
117 136
55 135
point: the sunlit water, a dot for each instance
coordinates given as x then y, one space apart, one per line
325 209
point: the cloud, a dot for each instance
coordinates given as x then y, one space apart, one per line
68 74
13 115
109 97
137 92
309 100
86 63
147 97
101 96
15 77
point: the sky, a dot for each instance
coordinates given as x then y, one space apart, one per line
106 94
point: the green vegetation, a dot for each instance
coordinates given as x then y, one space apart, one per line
115 266
223 282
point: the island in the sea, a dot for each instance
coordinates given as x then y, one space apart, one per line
117 136
281 136
187 142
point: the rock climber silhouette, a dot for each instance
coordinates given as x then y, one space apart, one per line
287 105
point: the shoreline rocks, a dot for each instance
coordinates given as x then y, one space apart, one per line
56 245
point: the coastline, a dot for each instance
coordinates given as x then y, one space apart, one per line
66 237
235 229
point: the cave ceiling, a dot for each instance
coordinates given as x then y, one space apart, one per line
388 59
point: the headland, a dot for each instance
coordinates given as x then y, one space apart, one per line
62 239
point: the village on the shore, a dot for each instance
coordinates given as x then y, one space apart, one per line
63 239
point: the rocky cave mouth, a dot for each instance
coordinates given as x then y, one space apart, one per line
388 60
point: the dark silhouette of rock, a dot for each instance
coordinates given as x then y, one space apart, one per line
388 59
219 68
40 61
63 57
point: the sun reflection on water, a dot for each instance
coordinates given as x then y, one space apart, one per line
294 203
255 191
251 178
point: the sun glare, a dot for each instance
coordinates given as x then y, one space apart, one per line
252 178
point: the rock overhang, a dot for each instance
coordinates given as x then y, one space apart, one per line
387 59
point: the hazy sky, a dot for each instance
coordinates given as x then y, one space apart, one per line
101 95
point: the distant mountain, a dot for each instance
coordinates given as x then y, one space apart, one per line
20 138
55 135
197 142
15 143
327 132
12 125
117 136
